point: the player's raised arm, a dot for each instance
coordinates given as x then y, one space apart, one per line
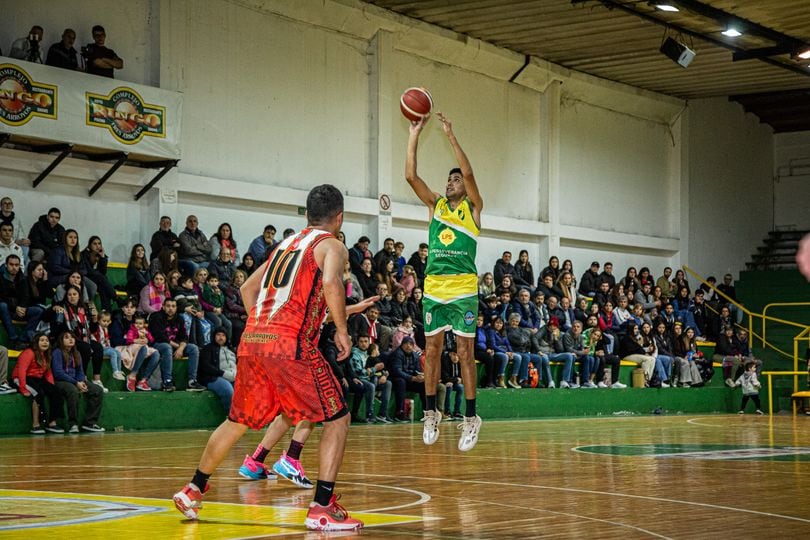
470 185
425 194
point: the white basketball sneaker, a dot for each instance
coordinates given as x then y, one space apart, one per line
469 433
430 433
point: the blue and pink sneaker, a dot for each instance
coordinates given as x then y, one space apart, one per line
255 470
292 470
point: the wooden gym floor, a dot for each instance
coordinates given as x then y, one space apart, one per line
619 477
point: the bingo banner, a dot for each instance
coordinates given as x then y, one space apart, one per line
74 107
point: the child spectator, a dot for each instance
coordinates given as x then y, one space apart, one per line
137 270
217 370
451 376
405 329
153 294
235 307
750 386
72 383
101 335
408 280
213 301
138 337
33 376
198 328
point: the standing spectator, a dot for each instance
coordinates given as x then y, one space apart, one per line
164 237
504 266
590 282
8 246
419 262
358 252
261 246
137 270
62 54
28 48
172 343
13 300
750 386
524 273
607 275
45 235
34 378
101 60
72 383
729 290
223 240
194 248
94 261
153 294
235 307
218 368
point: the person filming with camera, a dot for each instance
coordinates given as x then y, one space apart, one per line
27 48
99 60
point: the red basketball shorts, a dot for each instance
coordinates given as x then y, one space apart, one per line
275 382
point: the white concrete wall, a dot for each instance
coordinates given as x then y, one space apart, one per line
731 185
792 180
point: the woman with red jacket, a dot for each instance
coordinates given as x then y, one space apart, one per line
33 377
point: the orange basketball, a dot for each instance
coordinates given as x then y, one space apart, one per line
415 103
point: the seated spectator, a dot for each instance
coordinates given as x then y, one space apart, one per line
359 377
194 247
153 295
503 267
419 262
71 382
573 343
645 277
368 283
99 59
680 281
621 315
631 278
668 317
382 257
590 281
8 246
198 328
542 308
617 292
213 300
521 341
33 377
5 388
172 343
637 314
399 260
553 269
163 238
529 316
644 297
137 270
507 284
704 364
166 262
631 349
388 275
75 279
7 215
67 258
700 315
722 320
491 309
566 285
569 315
451 377
681 304
289 231
94 261
404 329
547 287
555 312
28 48
142 365
101 335
62 54
506 307
415 303
408 280
367 324
582 311
710 296
663 362
223 266
485 354
400 307
605 358
248 265
138 338
499 341
261 246
354 293
523 275
39 296
668 289
13 300
607 275
729 290
217 369
45 235
486 285
358 252
605 320
685 368
406 375
235 306
223 240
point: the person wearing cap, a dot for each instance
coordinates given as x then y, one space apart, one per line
589 283
262 245
406 376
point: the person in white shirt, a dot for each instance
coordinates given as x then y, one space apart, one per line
8 246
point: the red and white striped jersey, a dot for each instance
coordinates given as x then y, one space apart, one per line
291 304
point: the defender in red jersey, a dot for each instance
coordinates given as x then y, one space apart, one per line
281 371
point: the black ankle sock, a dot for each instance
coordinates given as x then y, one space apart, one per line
430 402
294 451
324 492
470 408
261 453
200 479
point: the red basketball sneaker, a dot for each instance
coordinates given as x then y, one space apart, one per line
189 500
330 518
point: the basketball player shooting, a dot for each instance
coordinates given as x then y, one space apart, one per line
281 371
451 278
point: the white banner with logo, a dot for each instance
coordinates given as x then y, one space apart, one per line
60 105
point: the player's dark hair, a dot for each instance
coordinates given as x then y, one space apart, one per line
454 170
324 202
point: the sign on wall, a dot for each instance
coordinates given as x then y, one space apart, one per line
67 106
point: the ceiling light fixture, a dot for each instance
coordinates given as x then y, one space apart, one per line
731 32
804 55
665 7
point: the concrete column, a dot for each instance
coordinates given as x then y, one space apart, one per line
383 97
551 130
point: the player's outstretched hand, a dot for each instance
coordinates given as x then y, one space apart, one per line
368 302
416 126
447 126
343 343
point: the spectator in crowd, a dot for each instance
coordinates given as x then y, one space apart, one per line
142 365
644 276
400 308
166 262
645 299
212 299
486 285
605 359
235 306
164 237
33 377
94 261
550 341
354 293
573 343
631 349
523 275
729 352
548 288
568 266
668 289
62 54
406 376
617 292
261 246
607 275
681 304
710 296
81 322
359 377
382 257
248 265
507 285
700 314
503 267
38 295
45 235
368 283
14 301
419 262
521 341
99 59
138 338
663 363
101 335
5 388
67 258
223 240
685 368
553 269
729 290
384 305
680 281
289 231
451 377
72 383
568 313
137 270
387 275
408 280
621 315
198 328
590 282
528 313
8 246
7 215
153 294
194 247
485 354
172 343
631 277
499 341
223 266
556 312
358 252
416 309
506 307
719 322
566 284
218 368
582 311
28 48
399 260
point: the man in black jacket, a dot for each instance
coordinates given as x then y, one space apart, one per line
45 235
164 237
406 375
13 299
590 281
503 267
171 341
419 262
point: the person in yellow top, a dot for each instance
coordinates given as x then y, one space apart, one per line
451 278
